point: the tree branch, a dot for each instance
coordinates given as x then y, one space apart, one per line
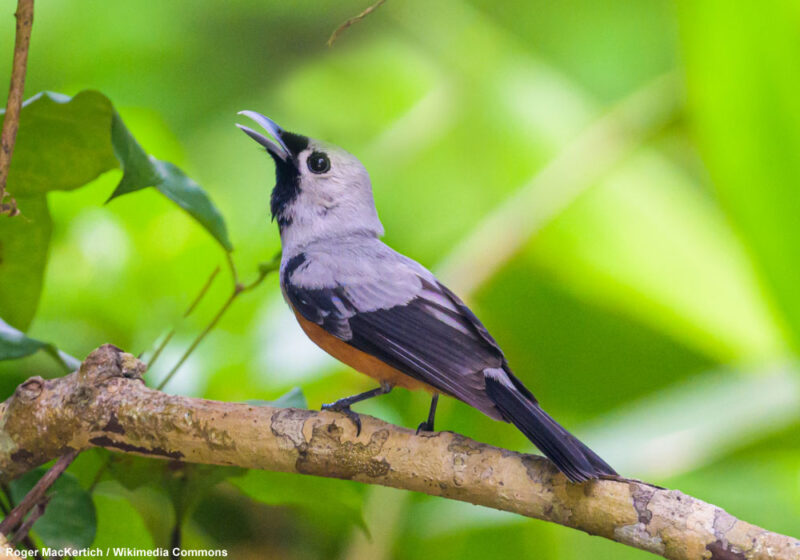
21 534
37 493
8 136
106 404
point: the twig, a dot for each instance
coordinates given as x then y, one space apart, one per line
105 404
238 289
27 541
192 307
202 293
199 338
37 492
8 137
232 267
38 510
338 31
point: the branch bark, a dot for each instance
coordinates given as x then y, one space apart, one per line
106 404
8 136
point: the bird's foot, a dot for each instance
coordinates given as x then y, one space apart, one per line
425 427
345 409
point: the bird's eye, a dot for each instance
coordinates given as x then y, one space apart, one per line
318 163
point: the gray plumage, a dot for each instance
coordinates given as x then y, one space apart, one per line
335 282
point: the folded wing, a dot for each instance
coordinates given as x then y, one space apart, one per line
426 333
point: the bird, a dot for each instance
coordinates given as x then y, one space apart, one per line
382 313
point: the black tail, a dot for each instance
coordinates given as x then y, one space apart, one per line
573 458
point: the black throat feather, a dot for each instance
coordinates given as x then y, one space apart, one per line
287 179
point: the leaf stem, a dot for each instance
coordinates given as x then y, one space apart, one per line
199 338
68 362
192 307
232 267
202 292
175 541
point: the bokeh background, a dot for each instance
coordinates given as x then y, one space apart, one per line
613 186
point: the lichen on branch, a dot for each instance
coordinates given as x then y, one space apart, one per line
106 404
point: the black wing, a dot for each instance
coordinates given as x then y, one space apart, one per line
433 337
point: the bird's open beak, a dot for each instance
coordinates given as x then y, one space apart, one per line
275 147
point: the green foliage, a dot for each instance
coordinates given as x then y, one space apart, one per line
63 143
119 523
662 289
747 116
142 171
69 520
156 514
182 484
23 258
187 483
293 399
340 503
14 345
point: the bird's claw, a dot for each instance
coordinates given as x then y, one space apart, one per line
344 409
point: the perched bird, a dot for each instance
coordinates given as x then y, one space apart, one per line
382 313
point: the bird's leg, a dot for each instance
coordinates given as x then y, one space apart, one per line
343 405
427 426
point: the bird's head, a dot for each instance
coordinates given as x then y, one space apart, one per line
321 191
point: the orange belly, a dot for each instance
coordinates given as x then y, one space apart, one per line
358 360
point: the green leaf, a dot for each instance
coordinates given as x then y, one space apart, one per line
331 499
24 241
142 171
744 100
133 472
14 345
151 503
62 143
119 523
69 520
184 483
293 399
138 173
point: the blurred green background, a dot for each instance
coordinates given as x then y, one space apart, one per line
613 186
